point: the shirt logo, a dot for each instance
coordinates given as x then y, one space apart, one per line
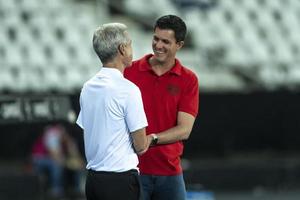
173 89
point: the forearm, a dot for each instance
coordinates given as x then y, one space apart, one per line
140 141
174 134
179 132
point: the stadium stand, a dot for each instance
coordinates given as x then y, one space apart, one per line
234 46
232 35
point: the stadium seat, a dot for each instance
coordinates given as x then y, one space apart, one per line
43 34
7 80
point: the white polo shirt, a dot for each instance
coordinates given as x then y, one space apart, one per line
111 108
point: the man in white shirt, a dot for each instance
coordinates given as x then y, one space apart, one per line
113 119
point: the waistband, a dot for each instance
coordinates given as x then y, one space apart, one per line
131 171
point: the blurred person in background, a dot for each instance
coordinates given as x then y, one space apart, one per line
55 153
113 120
171 96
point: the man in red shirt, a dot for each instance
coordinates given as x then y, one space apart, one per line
170 95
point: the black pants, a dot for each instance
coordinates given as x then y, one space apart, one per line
113 186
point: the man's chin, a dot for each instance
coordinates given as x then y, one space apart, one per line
159 58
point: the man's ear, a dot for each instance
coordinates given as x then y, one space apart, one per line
122 49
180 45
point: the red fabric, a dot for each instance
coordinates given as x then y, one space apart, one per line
163 96
39 148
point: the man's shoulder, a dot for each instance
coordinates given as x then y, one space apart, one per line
89 81
136 64
130 85
188 72
138 61
133 69
143 59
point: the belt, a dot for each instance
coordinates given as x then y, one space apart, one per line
131 171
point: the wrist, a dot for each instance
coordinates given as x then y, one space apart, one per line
154 139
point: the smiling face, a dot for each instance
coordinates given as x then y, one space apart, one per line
164 45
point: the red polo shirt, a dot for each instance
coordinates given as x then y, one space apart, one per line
163 96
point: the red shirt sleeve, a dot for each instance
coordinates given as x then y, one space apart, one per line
189 101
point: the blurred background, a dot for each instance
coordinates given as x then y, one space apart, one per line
246 53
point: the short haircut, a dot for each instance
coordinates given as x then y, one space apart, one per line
107 39
174 23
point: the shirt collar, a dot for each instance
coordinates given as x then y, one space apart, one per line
109 71
145 66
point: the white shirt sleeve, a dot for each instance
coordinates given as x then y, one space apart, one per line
134 114
79 120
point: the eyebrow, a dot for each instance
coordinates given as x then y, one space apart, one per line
164 40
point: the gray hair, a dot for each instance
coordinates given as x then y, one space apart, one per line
107 38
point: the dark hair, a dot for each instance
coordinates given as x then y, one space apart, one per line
174 23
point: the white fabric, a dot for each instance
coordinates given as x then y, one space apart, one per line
111 108
52 139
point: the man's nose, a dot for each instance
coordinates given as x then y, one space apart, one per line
159 44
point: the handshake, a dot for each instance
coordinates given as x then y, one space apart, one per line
143 144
